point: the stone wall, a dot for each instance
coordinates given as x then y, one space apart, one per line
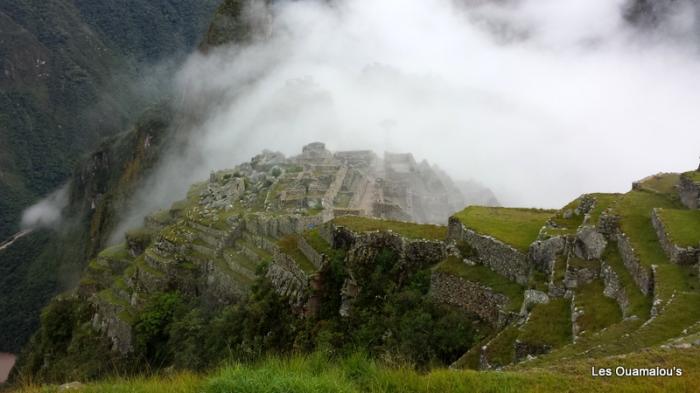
640 274
277 226
614 289
496 255
679 255
362 247
689 192
472 297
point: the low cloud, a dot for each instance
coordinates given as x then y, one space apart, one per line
541 100
48 212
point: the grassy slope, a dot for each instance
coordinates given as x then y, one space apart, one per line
599 311
517 227
410 230
683 226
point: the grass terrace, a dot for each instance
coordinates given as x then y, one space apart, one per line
549 324
640 305
515 226
407 229
682 226
664 183
484 276
599 311
288 245
602 203
635 209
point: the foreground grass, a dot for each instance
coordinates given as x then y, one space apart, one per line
514 226
318 373
410 230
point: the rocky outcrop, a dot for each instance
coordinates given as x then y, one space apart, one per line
689 192
589 244
472 297
288 279
532 297
641 275
677 254
496 255
544 252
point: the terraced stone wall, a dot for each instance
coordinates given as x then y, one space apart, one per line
472 297
496 255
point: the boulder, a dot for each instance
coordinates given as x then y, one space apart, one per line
589 243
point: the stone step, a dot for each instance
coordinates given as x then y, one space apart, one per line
240 264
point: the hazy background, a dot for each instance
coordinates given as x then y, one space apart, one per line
540 100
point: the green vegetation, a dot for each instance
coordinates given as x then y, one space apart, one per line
599 311
514 226
358 373
548 324
501 350
682 226
693 175
602 203
483 275
408 229
663 183
640 305
288 245
635 210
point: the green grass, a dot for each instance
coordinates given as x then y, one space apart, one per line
682 226
313 237
602 203
407 229
664 183
501 351
514 226
288 245
599 311
549 324
484 276
116 252
317 373
635 209
640 305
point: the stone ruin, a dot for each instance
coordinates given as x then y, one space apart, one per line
339 183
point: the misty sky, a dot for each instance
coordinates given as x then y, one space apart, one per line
540 100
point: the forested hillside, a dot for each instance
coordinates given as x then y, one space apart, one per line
72 72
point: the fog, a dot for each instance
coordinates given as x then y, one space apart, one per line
540 100
46 213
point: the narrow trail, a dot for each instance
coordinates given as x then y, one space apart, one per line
7 243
